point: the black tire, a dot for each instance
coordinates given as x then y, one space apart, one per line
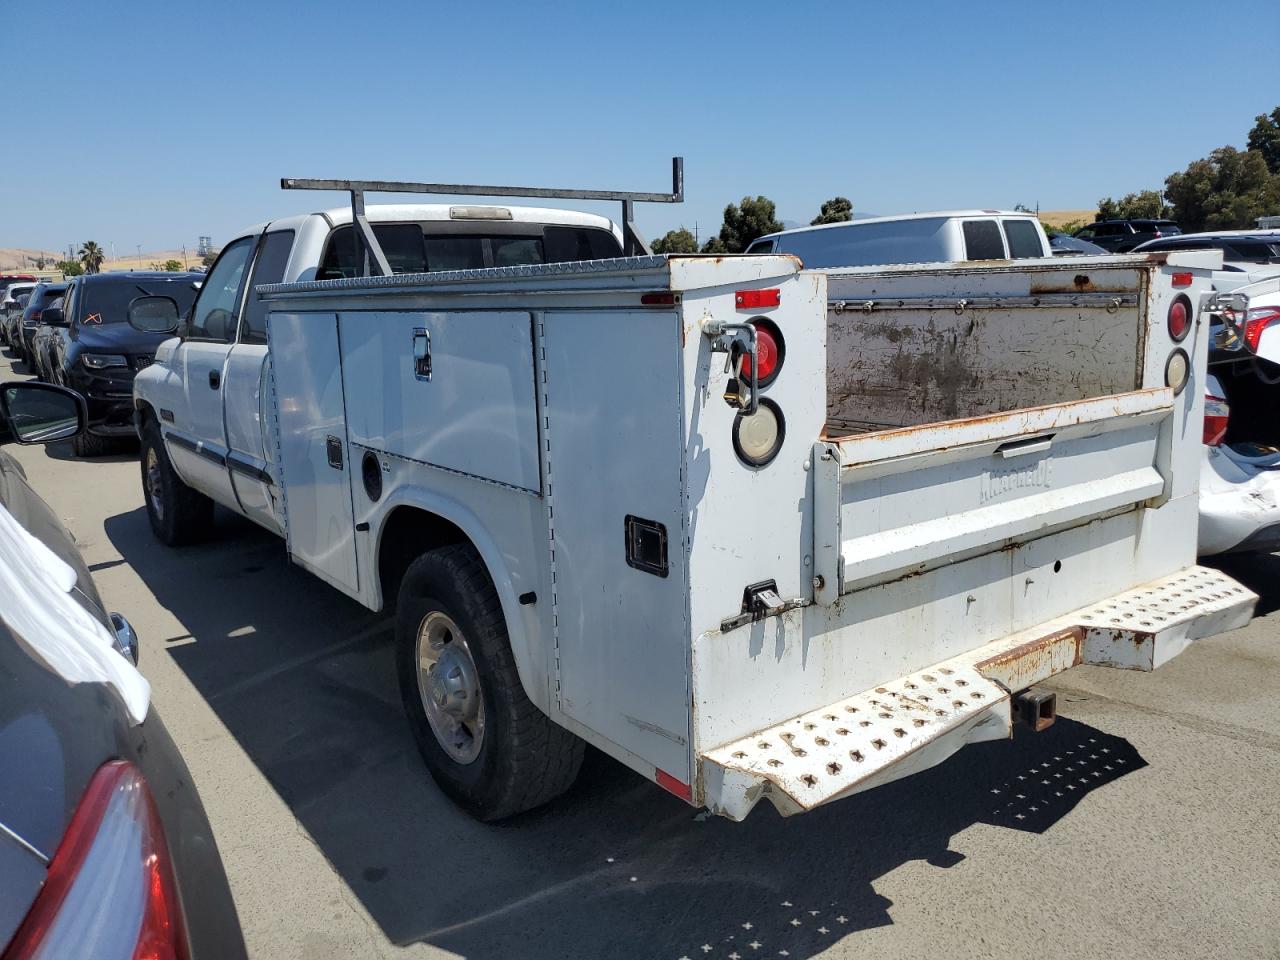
86 444
178 514
524 759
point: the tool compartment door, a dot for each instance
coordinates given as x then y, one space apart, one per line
315 464
613 474
446 389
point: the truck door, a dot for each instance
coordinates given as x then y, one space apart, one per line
245 392
196 438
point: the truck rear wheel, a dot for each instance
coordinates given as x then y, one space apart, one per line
178 514
486 745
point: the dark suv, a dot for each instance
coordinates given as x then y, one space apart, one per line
91 347
1121 236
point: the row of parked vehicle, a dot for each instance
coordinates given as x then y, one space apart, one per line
77 334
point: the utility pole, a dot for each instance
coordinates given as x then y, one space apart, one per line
139 256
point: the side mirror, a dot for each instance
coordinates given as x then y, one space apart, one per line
54 317
33 412
154 314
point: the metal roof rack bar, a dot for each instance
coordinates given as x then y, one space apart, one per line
633 244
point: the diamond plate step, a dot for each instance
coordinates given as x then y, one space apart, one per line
917 721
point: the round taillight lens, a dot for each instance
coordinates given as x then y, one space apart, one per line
1180 319
758 438
771 349
1176 370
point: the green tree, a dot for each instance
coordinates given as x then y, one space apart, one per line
1229 189
1142 205
173 266
676 241
91 256
835 210
742 224
207 259
1265 138
69 268
715 245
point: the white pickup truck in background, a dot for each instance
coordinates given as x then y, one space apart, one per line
756 532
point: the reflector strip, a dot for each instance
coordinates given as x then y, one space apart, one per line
757 299
659 299
669 783
1182 279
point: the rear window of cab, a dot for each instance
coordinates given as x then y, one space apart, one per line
427 248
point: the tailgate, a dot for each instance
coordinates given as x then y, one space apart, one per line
896 503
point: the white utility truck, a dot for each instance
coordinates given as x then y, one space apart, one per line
755 531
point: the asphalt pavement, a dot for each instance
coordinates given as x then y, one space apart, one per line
1142 824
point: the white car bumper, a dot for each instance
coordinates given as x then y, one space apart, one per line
1239 503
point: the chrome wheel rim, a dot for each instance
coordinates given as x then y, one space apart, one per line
154 488
449 687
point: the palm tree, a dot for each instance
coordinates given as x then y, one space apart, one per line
91 256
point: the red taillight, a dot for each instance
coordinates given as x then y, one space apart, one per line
1216 413
1182 279
771 349
1180 319
757 299
1256 321
109 891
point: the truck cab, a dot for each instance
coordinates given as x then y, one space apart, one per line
205 394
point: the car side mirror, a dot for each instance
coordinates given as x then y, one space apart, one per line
32 412
154 314
54 317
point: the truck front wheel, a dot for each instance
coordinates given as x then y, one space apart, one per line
486 745
177 513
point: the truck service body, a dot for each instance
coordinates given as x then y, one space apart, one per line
951 482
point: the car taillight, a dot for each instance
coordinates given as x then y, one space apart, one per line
1216 412
110 891
770 348
1180 319
1256 321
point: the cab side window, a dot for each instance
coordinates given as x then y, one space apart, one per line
982 240
268 268
1024 239
215 312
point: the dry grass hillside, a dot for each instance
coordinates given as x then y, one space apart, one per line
18 259
1056 218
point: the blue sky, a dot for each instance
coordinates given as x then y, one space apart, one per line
174 120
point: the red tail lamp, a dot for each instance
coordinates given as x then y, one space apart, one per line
1180 319
770 348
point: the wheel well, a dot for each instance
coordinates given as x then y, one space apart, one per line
408 533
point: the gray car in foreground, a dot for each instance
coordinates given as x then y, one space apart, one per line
105 848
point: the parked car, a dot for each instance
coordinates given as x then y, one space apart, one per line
1065 245
1248 255
92 348
11 309
1240 481
914 238
105 848
44 295
1121 236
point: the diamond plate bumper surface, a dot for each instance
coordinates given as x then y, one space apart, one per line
917 721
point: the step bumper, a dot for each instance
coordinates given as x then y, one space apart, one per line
917 721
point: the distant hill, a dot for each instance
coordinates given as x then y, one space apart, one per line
19 259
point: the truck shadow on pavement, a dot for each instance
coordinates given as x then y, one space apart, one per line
305 680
